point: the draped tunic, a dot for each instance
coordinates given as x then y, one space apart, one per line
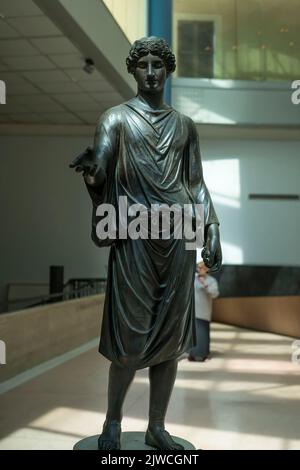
151 157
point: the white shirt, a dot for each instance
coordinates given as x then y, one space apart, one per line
204 293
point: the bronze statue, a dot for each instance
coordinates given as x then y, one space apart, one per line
148 152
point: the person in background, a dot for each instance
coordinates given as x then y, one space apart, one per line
206 289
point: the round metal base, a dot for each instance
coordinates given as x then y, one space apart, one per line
130 441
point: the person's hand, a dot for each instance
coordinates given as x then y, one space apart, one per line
212 252
85 163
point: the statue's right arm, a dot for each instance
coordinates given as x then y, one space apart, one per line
104 149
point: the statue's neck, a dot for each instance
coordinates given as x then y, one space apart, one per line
154 100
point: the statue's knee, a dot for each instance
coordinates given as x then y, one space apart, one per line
128 361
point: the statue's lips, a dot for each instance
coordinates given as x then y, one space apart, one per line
151 82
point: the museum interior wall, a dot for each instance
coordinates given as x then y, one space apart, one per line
274 314
47 215
235 169
131 16
259 282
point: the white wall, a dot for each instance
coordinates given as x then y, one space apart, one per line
45 211
255 231
131 16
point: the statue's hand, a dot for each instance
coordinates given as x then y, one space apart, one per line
212 252
85 163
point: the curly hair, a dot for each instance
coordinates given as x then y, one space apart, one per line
154 45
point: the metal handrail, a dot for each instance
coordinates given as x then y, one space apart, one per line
88 289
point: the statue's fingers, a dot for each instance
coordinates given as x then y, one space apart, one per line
217 264
79 168
212 257
93 170
214 267
74 163
205 253
87 171
207 259
76 160
220 259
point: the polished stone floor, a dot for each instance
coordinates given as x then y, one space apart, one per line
247 396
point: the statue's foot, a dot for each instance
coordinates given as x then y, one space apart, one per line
110 439
159 438
197 358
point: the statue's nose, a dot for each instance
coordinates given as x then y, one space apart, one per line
150 71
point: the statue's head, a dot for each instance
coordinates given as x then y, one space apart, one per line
150 61
155 46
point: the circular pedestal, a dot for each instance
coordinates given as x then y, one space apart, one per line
130 441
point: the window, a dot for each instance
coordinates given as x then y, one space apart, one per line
195 54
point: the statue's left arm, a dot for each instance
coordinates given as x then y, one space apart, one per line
211 253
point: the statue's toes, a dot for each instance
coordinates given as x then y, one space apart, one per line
106 444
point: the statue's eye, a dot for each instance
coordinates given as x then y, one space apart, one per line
142 65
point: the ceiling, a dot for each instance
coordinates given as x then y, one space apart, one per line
43 72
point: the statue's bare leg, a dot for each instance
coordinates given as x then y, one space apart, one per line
120 379
162 377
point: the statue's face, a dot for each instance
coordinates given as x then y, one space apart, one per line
150 73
